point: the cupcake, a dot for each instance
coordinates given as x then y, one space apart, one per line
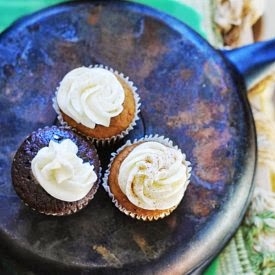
148 178
97 102
56 171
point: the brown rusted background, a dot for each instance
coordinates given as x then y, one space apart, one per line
188 92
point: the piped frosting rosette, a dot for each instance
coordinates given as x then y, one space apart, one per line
61 173
95 100
151 175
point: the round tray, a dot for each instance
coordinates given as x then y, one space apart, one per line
189 93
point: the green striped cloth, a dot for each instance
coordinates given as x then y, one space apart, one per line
245 253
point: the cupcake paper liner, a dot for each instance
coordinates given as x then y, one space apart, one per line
104 141
65 208
105 184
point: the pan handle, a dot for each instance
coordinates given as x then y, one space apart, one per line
252 61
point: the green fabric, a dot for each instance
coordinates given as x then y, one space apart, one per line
179 10
10 10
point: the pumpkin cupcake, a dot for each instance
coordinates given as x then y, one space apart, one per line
98 102
56 171
148 178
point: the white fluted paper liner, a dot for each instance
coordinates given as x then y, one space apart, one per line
104 141
161 139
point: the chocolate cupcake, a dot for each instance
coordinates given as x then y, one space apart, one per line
147 179
98 102
55 171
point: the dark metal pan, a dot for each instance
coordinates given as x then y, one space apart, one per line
190 93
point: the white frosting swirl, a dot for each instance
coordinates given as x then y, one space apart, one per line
154 176
61 173
91 96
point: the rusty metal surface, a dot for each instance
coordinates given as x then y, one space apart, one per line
188 92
